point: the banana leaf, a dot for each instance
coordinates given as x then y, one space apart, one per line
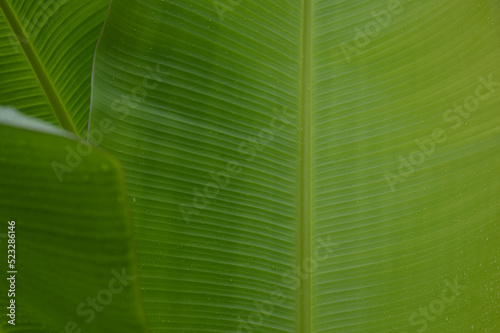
303 166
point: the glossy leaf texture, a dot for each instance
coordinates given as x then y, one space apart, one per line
69 263
46 53
308 166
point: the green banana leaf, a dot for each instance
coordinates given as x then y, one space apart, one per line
307 166
70 264
295 167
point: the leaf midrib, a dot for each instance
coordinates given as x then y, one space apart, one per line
304 197
38 68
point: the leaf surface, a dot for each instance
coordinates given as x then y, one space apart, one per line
67 232
308 166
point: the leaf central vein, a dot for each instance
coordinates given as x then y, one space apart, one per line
304 290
